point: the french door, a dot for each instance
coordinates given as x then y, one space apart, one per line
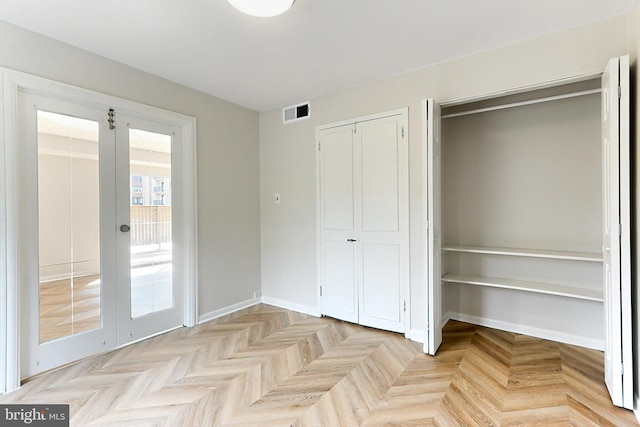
96 200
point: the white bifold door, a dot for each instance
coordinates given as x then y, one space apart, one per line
617 232
363 191
97 228
432 149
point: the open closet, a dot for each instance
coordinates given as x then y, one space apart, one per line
528 215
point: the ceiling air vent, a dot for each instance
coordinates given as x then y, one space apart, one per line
295 113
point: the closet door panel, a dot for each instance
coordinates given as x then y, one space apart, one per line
379 175
616 231
337 179
339 297
381 286
338 229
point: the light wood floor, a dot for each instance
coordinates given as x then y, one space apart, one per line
265 366
69 307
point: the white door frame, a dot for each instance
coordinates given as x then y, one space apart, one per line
404 113
10 221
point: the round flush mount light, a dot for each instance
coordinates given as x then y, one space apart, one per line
262 8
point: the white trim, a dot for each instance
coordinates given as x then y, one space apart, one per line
288 305
190 222
424 235
319 245
12 82
636 410
215 314
9 242
376 116
64 276
547 334
626 264
416 335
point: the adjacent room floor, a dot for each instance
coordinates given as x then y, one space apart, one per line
272 367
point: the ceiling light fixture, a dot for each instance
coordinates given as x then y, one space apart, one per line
262 8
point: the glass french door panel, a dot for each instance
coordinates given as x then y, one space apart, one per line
150 222
69 225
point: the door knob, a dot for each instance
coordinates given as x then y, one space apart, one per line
124 228
351 240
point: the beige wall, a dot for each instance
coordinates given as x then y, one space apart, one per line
634 53
227 155
69 217
287 152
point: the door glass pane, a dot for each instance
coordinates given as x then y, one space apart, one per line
150 219
69 225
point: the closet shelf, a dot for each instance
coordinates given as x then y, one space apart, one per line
522 285
574 256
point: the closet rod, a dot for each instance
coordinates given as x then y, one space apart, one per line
523 103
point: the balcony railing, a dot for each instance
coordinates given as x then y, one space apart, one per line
151 227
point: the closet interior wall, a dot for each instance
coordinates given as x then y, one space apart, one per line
522 213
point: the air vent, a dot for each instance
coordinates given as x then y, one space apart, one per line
295 113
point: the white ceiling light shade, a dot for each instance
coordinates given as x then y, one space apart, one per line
262 8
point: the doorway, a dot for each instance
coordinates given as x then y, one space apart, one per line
102 196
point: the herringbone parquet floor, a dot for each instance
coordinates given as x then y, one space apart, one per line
266 366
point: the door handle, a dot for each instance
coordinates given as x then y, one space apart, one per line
124 228
351 240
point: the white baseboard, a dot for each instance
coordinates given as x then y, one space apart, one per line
416 335
636 411
288 305
65 276
528 330
227 310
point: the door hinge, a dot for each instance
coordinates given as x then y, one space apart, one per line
622 369
111 120
320 290
619 229
619 92
318 145
404 306
403 131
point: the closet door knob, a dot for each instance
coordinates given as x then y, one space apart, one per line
124 228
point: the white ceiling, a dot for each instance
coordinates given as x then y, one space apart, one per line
319 46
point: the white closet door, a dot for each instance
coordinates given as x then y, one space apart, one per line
616 232
381 175
434 244
337 225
